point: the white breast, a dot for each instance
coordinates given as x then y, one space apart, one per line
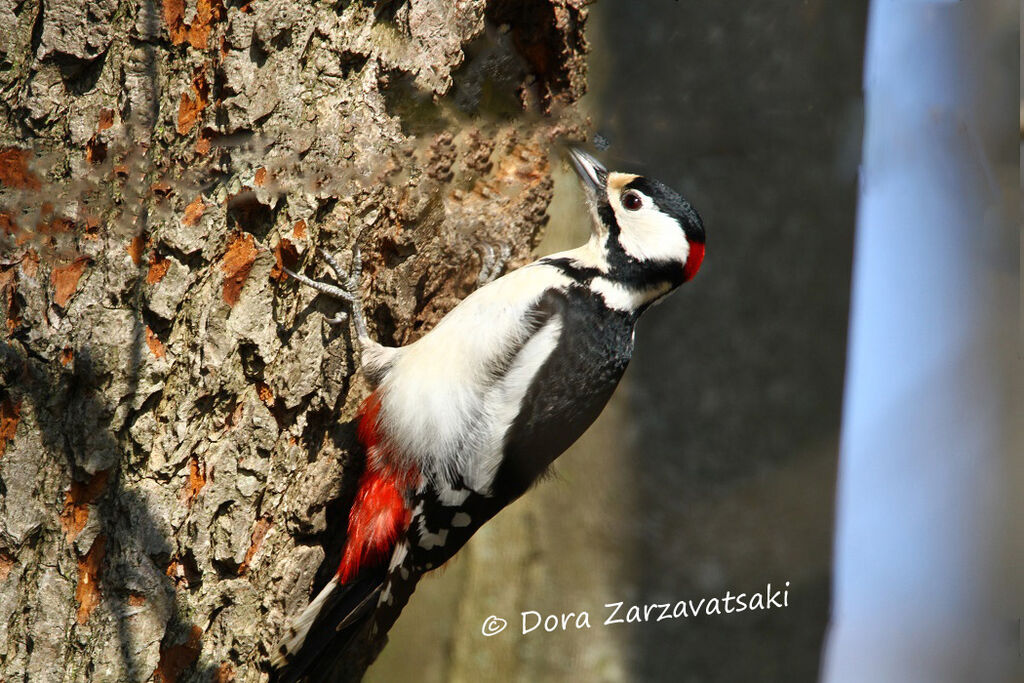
442 407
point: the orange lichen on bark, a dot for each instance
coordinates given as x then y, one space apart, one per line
67 354
77 499
260 177
162 188
259 533
191 106
204 141
158 266
14 171
175 659
6 565
55 226
237 263
208 13
194 211
136 600
106 120
95 150
265 394
30 263
182 570
87 593
136 247
7 223
299 229
225 673
196 479
285 256
10 415
65 279
8 286
174 17
92 224
156 347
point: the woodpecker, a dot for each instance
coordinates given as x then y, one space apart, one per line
463 421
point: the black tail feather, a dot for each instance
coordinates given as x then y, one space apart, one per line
333 625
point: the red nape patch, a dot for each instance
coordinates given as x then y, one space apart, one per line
379 513
693 261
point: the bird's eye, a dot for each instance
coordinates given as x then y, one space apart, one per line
631 200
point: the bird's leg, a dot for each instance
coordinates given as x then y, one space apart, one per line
347 292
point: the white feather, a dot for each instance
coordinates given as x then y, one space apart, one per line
648 234
438 397
590 255
505 400
622 298
299 628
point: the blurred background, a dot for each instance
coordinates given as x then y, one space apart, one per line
930 523
713 468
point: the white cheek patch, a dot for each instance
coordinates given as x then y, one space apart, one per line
622 298
648 234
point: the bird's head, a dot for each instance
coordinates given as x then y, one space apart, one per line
642 225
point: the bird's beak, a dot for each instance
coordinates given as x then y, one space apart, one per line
592 174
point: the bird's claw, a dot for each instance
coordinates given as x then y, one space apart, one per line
339 319
347 290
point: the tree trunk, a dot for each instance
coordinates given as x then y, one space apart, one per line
176 440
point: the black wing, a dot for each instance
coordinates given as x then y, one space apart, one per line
571 388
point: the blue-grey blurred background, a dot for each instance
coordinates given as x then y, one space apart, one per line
930 523
714 467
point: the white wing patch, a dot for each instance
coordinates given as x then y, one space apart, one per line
440 406
450 497
505 400
430 540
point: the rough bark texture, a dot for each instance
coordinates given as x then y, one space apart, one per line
176 438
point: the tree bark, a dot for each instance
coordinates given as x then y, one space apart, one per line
177 451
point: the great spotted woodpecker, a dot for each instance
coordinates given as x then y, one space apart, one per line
463 421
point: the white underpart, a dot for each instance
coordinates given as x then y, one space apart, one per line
648 234
440 405
375 357
619 297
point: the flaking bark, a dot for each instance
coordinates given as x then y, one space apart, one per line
176 442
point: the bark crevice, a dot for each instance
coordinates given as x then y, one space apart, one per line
177 445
